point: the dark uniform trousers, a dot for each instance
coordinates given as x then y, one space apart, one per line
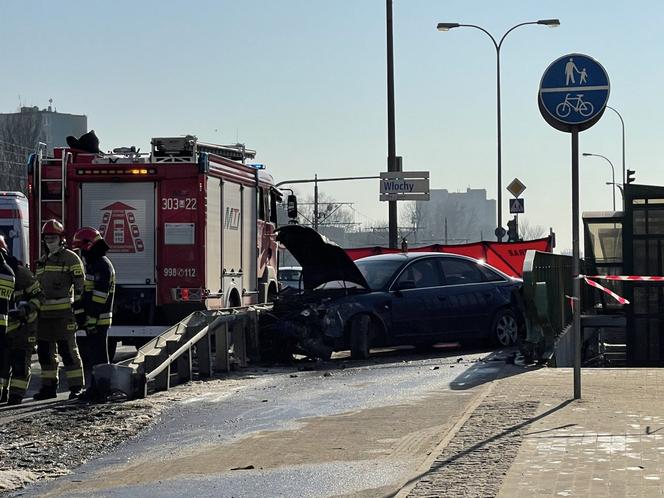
58 336
22 332
6 292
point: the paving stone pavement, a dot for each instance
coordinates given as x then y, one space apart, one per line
608 444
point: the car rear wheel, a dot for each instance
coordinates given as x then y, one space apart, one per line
505 328
359 337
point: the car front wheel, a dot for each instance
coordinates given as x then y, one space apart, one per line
505 328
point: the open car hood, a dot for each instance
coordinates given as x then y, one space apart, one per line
322 260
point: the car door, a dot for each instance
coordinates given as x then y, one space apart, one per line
467 296
416 306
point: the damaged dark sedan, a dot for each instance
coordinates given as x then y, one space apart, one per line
393 299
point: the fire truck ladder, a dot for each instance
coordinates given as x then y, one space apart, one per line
203 343
50 185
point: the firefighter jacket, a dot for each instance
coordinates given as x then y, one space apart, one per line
58 273
27 294
6 292
99 291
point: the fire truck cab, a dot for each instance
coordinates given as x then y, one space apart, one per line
190 225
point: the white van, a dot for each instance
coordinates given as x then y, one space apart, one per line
15 223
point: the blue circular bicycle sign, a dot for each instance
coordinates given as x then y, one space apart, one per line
573 92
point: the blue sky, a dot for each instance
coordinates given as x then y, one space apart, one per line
303 82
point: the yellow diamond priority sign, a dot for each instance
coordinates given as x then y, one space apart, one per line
516 188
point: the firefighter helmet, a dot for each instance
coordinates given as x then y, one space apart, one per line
53 227
3 245
86 238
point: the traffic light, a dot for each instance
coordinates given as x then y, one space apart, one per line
512 231
291 208
630 176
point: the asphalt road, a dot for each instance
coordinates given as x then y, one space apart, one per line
342 429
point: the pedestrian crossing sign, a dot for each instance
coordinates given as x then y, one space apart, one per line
516 206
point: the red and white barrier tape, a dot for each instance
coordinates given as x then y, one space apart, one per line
615 296
626 278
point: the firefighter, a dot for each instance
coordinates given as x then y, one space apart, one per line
59 271
97 296
22 326
6 295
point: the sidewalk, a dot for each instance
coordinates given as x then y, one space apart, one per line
528 438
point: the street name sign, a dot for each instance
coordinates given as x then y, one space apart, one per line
516 188
404 186
517 206
573 92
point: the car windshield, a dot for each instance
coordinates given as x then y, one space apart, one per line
293 275
378 272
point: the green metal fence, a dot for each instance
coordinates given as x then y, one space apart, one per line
547 287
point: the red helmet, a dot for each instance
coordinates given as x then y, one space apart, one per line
3 244
53 227
85 238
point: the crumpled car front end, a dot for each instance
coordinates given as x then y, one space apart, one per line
312 320
311 323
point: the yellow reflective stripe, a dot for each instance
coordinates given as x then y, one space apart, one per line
18 383
91 320
77 270
72 374
49 374
88 286
53 307
32 317
35 302
58 268
13 326
71 326
6 278
104 321
58 300
100 300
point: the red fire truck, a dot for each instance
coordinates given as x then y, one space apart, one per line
190 225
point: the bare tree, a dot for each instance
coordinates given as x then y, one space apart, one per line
527 231
331 213
19 136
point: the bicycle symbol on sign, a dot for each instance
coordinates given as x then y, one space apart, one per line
576 104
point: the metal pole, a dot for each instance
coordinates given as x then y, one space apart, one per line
315 220
576 299
500 153
613 177
622 125
391 134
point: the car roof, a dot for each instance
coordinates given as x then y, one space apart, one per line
409 256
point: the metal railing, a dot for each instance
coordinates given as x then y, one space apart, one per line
547 285
204 342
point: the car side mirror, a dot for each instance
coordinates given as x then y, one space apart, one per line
405 285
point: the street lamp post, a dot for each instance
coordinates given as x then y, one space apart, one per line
613 174
446 26
622 123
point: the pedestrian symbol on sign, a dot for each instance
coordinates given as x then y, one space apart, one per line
516 206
